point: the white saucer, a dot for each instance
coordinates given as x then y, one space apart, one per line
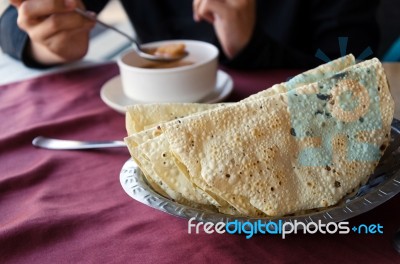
112 95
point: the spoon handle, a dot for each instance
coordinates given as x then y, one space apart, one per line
59 144
83 13
143 52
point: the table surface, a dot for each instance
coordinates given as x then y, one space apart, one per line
69 207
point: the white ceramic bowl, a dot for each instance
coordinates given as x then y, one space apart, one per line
188 83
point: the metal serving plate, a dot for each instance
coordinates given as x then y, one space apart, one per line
381 186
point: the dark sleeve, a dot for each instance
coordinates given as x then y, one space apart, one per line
327 21
13 40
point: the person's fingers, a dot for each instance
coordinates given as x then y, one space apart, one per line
195 5
208 9
57 23
204 11
239 4
233 21
60 44
34 9
16 3
58 49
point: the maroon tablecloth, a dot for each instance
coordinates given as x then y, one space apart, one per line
69 207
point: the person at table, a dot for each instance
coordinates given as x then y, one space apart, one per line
250 34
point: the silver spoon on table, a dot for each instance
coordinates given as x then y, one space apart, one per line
142 52
60 144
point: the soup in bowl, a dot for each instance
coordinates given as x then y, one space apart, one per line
186 80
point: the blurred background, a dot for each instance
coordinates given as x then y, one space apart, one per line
389 21
388 18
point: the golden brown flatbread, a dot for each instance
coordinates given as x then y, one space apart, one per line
140 117
296 150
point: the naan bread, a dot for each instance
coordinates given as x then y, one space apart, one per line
274 177
140 117
289 152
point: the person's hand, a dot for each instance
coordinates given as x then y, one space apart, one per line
233 21
57 33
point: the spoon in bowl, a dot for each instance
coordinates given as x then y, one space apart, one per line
142 52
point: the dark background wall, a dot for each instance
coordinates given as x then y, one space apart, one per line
389 20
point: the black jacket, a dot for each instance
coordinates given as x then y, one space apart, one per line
287 34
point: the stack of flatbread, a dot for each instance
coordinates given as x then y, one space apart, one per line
299 145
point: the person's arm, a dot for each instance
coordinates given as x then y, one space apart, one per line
233 21
43 33
242 37
326 22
